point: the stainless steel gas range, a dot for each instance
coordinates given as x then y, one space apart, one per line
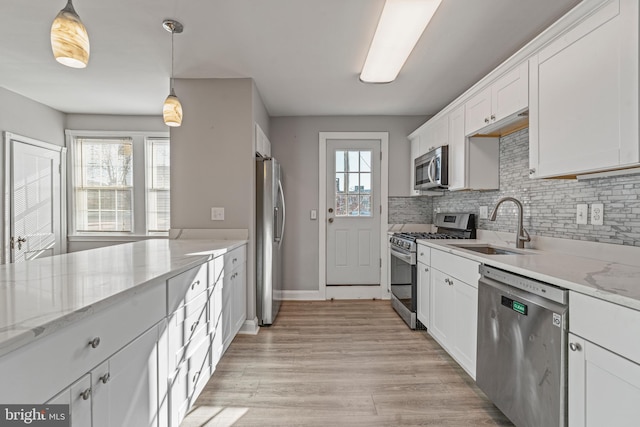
404 286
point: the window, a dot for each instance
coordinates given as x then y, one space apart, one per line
120 183
353 183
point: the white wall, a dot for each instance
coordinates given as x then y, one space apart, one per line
294 142
26 117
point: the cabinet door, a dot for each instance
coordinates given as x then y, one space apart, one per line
465 325
440 132
440 307
239 305
604 388
424 284
510 93
125 386
584 96
415 149
477 112
457 150
78 397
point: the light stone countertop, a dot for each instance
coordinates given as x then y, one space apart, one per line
44 295
607 280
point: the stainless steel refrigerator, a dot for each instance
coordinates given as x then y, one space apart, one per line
270 221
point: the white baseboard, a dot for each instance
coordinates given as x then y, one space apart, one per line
250 327
355 292
301 296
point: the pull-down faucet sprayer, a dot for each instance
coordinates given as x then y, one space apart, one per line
521 234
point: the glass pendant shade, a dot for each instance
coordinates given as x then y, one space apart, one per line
172 110
69 38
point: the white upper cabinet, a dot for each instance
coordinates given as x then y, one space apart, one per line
474 163
584 96
503 99
263 145
415 153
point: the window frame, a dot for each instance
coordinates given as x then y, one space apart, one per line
140 179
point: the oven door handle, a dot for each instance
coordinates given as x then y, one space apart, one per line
401 255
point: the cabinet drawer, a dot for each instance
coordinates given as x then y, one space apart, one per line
614 327
67 352
234 259
424 254
188 382
456 266
186 286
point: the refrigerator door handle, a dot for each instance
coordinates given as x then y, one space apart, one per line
276 237
284 212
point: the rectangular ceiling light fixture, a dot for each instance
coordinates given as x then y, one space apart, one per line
401 24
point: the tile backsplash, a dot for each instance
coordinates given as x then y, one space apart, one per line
549 204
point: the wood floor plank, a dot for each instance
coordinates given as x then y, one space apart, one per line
340 363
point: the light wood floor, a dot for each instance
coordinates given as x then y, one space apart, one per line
340 363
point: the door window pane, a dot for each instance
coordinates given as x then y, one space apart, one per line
359 198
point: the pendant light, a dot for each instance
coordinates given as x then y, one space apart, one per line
172 109
69 38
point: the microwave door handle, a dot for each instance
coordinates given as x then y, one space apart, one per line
431 171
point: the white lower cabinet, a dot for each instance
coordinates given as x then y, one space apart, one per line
121 391
78 397
604 363
125 387
454 307
604 388
424 284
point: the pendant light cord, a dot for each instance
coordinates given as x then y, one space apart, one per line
172 32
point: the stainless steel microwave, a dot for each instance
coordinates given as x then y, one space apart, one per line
431 170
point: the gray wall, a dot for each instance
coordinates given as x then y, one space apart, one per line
294 142
213 159
550 205
115 123
28 118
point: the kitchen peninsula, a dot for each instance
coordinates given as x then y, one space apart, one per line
132 331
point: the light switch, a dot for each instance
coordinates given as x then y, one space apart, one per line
217 214
314 214
597 214
582 214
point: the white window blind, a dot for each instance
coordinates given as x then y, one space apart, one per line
158 188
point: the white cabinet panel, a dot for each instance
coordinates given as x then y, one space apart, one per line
454 307
424 292
604 388
584 96
78 397
415 153
125 386
506 96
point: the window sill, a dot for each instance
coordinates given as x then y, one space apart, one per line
88 237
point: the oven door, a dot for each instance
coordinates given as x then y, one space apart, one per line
404 287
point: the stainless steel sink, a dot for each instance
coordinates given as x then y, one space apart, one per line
489 249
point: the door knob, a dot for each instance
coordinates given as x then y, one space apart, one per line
17 242
330 220
330 210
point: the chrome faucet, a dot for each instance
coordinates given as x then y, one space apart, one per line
521 234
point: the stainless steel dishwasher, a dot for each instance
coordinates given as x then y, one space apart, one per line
522 339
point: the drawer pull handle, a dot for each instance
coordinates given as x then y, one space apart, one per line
195 325
94 343
493 117
105 378
426 269
194 284
486 119
574 346
234 260
86 394
195 376
421 253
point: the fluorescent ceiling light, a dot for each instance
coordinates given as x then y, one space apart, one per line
401 24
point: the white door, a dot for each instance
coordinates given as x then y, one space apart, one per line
35 200
353 212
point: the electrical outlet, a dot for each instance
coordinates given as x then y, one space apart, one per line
484 212
597 214
217 214
581 214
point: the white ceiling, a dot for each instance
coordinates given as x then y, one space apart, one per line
304 55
